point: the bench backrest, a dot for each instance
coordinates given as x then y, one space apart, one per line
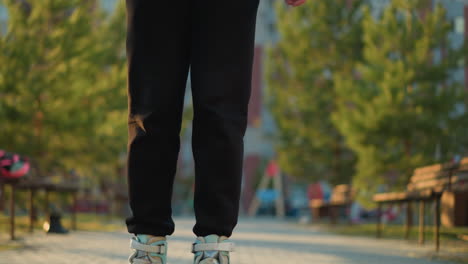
439 177
460 177
342 193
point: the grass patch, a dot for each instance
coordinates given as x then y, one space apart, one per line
398 231
452 247
99 223
9 246
85 222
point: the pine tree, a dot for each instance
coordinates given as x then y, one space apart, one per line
62 83
316 41
398 108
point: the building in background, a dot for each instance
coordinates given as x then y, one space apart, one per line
3 19
108 5
259 146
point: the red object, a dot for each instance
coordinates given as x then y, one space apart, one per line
391 214
16 174
251 164
272 169
12 166
315 191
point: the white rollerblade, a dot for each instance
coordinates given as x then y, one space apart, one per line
148 250
212 249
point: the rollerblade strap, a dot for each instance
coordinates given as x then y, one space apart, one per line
158 249
223 246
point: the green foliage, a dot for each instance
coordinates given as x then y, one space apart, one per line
62 84
317 41
397 110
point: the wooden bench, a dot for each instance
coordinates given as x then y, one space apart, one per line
342 197
33 186
427 184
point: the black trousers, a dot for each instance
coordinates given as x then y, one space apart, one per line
215 40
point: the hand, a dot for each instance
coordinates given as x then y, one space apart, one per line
295 2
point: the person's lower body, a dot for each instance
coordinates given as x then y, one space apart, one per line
215 40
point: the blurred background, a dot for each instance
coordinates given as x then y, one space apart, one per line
349 97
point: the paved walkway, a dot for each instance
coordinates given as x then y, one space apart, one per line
258 242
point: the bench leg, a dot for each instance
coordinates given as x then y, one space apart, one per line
437 224
74 211
348 214
316 213
409 220
31 210
379 221
46 206
12 212
2 196
422 223
333 214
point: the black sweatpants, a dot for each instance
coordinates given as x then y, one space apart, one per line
215 40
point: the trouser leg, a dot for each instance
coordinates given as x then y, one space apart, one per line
221 70
158 50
